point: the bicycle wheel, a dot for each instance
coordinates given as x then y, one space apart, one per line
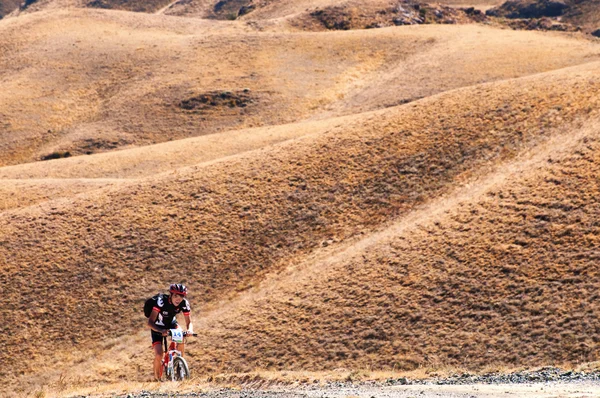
181 371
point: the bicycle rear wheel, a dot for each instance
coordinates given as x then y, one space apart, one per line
181 371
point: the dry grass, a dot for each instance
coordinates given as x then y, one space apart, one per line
152 160
230 224
96 102
503 278
28 192
129 5
319 224
258 379
75 97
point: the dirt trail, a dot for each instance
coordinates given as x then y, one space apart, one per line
165 8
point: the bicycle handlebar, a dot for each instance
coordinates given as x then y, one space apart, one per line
185 334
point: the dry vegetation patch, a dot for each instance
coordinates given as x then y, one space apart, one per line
361 15
7 6
207 102
570 15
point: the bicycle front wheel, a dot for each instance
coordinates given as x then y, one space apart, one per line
181 371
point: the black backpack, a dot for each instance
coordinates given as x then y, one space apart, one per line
149 304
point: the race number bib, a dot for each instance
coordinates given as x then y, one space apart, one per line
177 335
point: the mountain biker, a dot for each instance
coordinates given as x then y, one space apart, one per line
162 319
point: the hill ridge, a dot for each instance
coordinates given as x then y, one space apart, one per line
315 127
153 85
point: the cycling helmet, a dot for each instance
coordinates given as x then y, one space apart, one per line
178 288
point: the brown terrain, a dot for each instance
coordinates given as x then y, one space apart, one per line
419 196
7 6
569 15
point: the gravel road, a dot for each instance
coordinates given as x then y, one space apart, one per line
537 390
546 383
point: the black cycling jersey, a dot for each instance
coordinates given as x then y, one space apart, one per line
167 311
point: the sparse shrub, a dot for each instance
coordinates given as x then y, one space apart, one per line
57 155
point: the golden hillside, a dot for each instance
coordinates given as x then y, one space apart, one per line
131 79
388 198
231 224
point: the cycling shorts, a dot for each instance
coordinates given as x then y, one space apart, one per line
157 338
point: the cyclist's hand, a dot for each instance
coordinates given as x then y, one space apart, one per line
165 333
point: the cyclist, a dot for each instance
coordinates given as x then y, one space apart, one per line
162 318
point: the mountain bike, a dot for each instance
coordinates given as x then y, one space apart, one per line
174 366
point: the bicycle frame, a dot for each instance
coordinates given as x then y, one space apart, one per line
169 355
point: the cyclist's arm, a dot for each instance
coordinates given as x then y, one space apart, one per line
152 322
188 322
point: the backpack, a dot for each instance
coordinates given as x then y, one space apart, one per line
149 304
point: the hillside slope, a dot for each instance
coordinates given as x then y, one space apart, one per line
97 81
506 277
230 224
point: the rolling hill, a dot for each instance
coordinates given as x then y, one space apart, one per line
391 199
132 79
232 223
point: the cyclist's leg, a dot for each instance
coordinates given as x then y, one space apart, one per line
158 353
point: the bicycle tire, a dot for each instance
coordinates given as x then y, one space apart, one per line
181 370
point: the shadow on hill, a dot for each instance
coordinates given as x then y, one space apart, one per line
231 9
218 99
147 6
